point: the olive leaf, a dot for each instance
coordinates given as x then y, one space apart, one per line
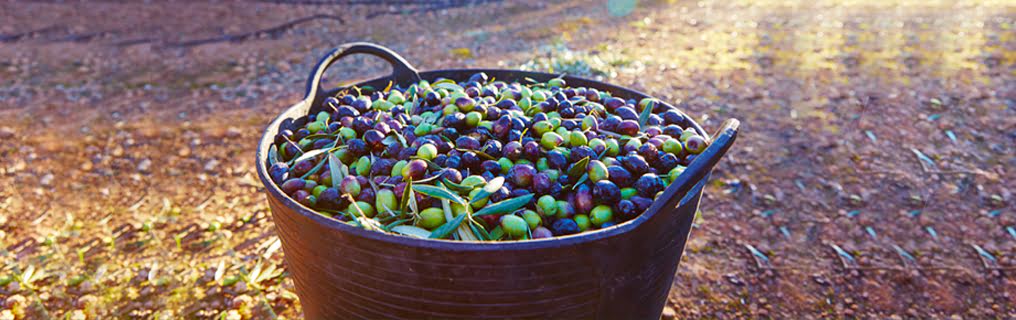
389 87
644 116
440 193
411 231
406 193
450 86
583 178
578 168
492 186
479 231
308 155
506 206
496 234
456 187
335 169
314 170
273 155
445 229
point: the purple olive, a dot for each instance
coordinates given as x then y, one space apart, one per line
635 164
512 150
491 166
467 142
330 199
531 150
619 176
606 192
626 210
641 203
452 175
522 175
542 183
279 172
415 170
628 128
302 167
541 233
583 199
649 152
357 147
293 185
648 185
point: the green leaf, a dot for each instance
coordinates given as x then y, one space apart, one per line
314 170
479 231
404 202
335 168
506 206
583 178
440 193
578 169
412 231
456 187
449 86
496 233
445 229
273 155
644 116
492 186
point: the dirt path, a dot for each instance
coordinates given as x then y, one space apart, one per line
873 179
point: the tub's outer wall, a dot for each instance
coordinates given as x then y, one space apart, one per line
622 272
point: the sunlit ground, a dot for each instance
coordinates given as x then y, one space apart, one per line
872 178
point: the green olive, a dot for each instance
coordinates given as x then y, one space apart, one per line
505 165
514 226
577 139
532 219
542 127
547 206
427 152
672 146
384 200
316 126
397 168
477 204
583 222
431 218
601 214
597 171
473 119
347 133
318 190
612 147
627 193
366 208
363 166
674 173
473 181
551 140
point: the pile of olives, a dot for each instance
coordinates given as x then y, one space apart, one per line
483 159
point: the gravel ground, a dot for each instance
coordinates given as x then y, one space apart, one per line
873 177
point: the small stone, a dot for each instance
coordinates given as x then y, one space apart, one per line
6 133
145 165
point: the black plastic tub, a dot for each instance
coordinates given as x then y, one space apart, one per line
621 272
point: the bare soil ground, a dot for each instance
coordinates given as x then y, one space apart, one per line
873 177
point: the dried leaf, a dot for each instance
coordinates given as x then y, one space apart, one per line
335 169
450 86
273 155
412 231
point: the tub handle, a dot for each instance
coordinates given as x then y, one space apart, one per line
402 71
699 168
